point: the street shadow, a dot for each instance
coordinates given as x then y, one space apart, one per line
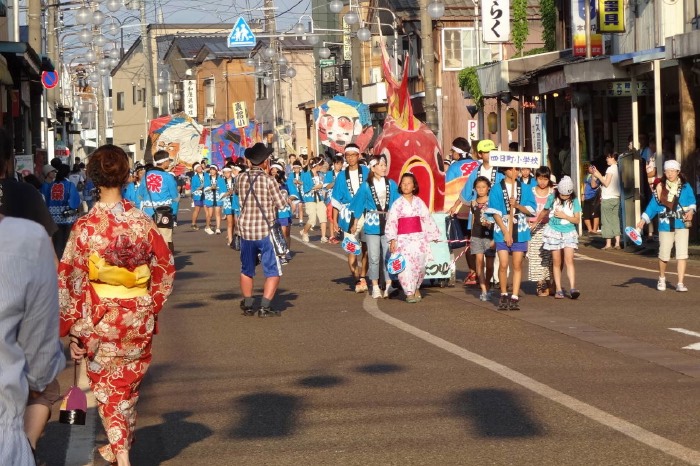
52 446
187 275
321 381
189 305
647 282
284 299
379 369
266 415
226 296
182 261
165 441
495 413
349 282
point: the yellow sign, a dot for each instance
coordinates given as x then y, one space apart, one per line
240 114
611 16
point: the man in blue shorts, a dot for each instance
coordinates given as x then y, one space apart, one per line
260 199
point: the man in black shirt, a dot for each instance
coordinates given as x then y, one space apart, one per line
19 199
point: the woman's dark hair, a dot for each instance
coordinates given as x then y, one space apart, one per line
108 167
33 180
62 172
681 177
378 158
544 171
571 198
415 182
483 179
338 158
614 155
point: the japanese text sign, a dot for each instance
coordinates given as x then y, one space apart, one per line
611 16
499 158
240 114
495 17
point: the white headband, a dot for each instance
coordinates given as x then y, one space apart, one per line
672 165
277 166
458 150
352 149
373 162
161 160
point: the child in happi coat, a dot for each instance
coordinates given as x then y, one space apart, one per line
539 259
510 204
560 235
409 229
482 244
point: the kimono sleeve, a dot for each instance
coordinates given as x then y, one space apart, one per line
358 205
430 228
74 297
467 193
687 198
172 191
307 184
653 208
221 187
392 221
73 196
339 190
162 270
528 200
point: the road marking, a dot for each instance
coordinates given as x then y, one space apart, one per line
81 440
624 427
635 267
597 415
694 346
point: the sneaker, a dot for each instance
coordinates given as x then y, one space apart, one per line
324 239
661 285
361 286
503 302
484 296
175 223
247 310
218 231
304 236
389 291
681 287
376 292
514 304
194 227
268 312
209 231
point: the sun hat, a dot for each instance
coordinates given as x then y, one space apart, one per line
565 186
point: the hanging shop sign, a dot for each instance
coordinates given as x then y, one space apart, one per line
578 24
611 16
495 17
240 114
624 89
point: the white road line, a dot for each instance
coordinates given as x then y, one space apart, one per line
81 439
694 346
624 427
635 267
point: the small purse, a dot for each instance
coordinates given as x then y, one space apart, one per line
455 234
163 217
74 405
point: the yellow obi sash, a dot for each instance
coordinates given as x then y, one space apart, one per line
110 281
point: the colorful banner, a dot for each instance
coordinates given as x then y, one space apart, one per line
228 141
611 16
181 136
578 25
341 121
455 178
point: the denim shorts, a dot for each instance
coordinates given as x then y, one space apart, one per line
249 255
515 247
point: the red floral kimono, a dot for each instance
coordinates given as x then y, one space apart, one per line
114 278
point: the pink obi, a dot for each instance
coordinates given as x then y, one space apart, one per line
409 225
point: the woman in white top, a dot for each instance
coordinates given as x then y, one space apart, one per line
610 201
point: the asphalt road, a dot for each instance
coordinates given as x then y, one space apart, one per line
344 379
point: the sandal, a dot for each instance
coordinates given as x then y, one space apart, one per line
606 247
574 293
411 298
559 294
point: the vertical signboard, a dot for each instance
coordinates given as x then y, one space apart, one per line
578 25
611 16
495 17
472 130
190 97
538 132
240 114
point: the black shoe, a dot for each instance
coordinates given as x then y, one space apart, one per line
268 312
514 304
503 303
247 310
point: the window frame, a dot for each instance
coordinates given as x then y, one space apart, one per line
494 50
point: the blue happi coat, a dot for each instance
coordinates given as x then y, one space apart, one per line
468 194
364 202
498 206
341 197
214 187
307 185
229 198
684 202
158 188
292 188
61 196
197 186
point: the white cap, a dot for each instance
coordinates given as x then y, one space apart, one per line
565 186
672 165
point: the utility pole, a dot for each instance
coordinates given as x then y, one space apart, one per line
271 29
148 64
51 10
426 36
356 64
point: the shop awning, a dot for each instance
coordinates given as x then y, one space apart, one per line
494 78
593 70
557 64
5 76
23 52
641 56
683 45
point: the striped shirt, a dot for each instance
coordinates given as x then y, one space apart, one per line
252 224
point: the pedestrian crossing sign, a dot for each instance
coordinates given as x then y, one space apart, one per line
241 35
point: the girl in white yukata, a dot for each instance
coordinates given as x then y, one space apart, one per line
409 229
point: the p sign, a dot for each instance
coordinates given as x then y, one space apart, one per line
49 79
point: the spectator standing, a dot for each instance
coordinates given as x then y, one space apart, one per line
31 355
260 198
158 189
610 199
675 205
591 204
115 277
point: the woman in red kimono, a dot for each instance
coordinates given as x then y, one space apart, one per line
115 275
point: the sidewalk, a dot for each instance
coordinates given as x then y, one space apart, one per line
647 249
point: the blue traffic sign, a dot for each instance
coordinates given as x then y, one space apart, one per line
49 79
241 35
